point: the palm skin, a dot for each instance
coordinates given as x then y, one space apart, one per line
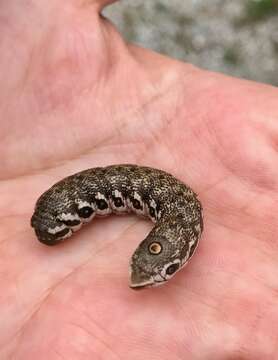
74 95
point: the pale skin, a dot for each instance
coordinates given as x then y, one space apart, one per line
74 95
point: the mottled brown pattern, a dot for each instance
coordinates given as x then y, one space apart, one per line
172 205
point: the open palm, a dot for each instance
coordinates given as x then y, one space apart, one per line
73 95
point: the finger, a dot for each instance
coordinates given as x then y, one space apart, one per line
104 3
100 4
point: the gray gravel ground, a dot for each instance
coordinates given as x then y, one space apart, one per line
237 37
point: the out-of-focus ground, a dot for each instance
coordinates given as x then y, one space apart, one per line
237 37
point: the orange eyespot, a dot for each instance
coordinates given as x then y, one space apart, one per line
155 248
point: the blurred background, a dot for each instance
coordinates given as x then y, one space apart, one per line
237 37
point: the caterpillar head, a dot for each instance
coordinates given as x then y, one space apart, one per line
160 256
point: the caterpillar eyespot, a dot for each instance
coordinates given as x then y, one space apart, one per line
155 248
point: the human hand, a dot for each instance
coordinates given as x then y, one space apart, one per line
74 95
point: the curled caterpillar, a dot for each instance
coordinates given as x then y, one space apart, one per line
170 204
